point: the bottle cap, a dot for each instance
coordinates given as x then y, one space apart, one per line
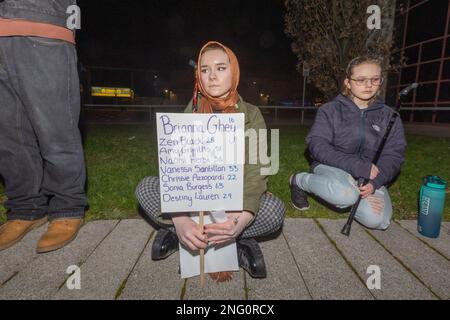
435 182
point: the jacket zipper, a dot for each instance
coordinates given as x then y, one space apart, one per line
361 132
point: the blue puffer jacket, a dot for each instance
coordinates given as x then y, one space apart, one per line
346 137
48 11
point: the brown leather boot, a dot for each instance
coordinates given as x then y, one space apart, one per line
14 230
59 234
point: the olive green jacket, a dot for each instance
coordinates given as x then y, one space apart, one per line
255 184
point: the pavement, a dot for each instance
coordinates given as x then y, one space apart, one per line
309 260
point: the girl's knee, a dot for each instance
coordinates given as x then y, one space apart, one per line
343 195
273 210
278 214
370 221
147 195
375 211
338 192
279 209
146 187
384 225
374 220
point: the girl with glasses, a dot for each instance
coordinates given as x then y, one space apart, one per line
343 141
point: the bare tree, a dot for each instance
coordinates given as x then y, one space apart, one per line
327 34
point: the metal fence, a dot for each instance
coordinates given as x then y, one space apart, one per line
275 110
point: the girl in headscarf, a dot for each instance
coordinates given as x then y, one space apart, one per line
217 80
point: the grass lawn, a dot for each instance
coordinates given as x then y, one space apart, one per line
119 156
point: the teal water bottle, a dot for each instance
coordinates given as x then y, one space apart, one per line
431 206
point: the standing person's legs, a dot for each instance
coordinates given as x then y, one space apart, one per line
45 79
338 188
20 161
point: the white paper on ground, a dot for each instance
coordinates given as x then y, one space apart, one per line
216 259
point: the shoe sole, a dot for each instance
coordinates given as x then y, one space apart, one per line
255 276
300 209
36 225
60 245
163 257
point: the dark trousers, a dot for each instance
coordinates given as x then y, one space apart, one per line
41 155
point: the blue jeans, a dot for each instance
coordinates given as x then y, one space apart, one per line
41 155
339 188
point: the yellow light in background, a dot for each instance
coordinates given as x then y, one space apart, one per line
112 92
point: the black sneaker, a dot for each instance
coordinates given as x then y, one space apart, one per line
165 243
299 198
251 258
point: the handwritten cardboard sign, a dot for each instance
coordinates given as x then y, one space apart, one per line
201 158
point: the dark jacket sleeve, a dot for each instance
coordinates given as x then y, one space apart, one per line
320 144
392 156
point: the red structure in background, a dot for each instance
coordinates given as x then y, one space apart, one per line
427 60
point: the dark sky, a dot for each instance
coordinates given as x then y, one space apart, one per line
164 35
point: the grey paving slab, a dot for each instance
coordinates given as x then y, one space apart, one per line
326 273
153 280
429 266
110 264
13 259
301 263
446 225
363 251
283 280
41 278
441 244
231 290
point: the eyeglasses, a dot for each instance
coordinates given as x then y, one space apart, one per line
375 81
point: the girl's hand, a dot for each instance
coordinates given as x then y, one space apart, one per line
366 190
188 233
374 172
219 233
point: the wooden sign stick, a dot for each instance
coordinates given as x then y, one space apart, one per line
202 253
